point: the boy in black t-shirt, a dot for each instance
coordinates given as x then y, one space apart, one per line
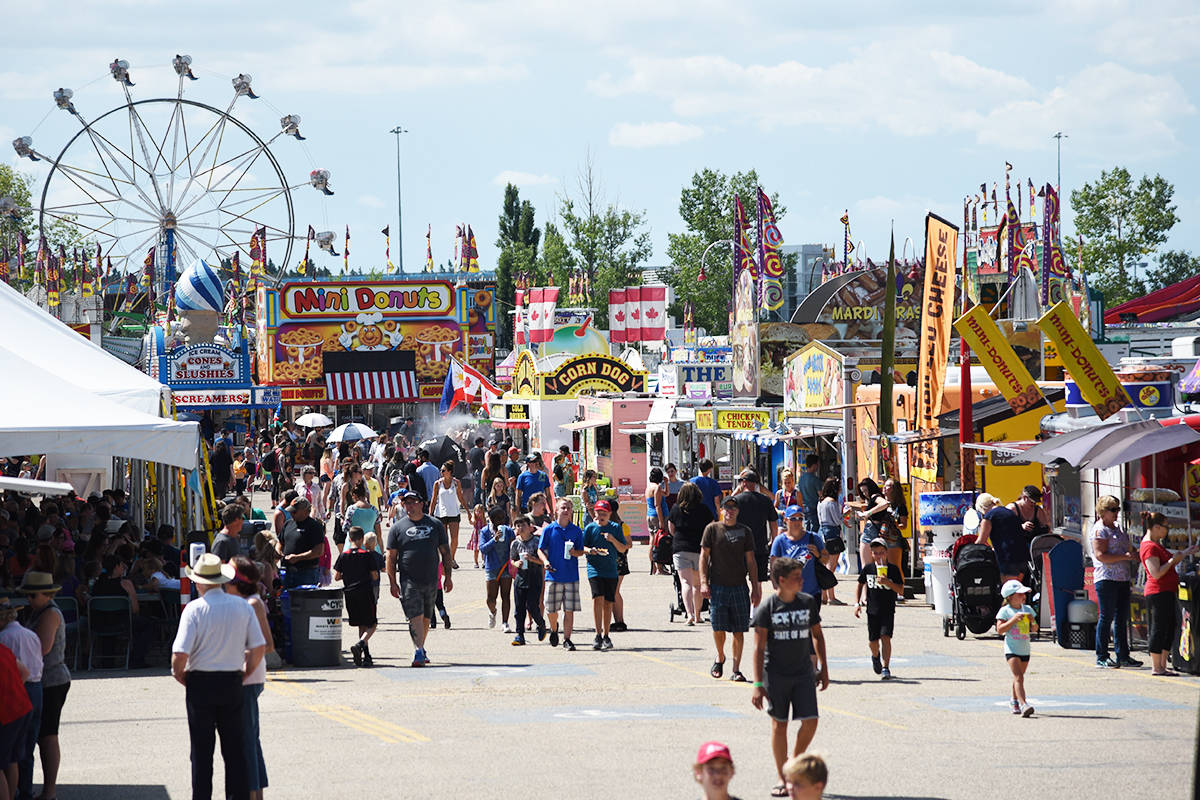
527 588
789 661
882 581
358 570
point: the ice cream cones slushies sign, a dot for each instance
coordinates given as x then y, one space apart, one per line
1097 382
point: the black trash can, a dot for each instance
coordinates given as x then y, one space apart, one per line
316 627
1183 654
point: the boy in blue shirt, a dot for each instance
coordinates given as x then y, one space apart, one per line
603 540
560 549
710 490
495 541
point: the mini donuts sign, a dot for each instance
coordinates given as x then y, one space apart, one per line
205 364
390 299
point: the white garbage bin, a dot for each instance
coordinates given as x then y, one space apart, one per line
937 584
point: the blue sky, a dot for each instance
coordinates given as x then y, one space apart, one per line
853 106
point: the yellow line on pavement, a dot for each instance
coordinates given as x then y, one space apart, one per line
331 714
287 686
384 725
824 706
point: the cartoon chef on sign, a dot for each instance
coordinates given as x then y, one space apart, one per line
368 331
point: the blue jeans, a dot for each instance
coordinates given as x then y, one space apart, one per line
811 523
25 752
256 768
1114 617
301 576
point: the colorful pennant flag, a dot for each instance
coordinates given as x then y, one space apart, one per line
520 326
346 253
429 248
742 258
1032 197
256 251
769 242
5 258
1014 225
236 265
22 246
312 234
387 247
471 252
847 246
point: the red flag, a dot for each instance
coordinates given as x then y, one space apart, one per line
654 313
633 314
519 326
616 316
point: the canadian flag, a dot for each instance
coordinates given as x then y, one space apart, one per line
519 335
465 384
616 316
654 313
633 314
542 302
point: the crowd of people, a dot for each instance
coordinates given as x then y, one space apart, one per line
356 513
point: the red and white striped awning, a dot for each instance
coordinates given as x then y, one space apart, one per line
379 377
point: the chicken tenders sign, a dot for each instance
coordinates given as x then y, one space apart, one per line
941 247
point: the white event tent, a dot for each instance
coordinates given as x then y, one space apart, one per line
43 413
61 351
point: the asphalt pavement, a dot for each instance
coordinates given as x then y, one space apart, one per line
490 720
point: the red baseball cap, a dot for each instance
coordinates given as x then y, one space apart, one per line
603 504
711 750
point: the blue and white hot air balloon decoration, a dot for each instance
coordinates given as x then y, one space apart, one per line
199 288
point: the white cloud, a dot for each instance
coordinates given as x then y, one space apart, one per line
1145 39
370 201
653 134
518 178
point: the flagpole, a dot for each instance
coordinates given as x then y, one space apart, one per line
399 211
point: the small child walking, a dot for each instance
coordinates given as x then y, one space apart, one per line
527 587
882 582
1016 621
478 520
358 569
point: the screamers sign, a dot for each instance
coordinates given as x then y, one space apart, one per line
592 373
391 299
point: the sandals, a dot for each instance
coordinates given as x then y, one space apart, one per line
737 676
718 669
1167 673
779 790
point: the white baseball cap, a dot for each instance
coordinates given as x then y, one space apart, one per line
1013 587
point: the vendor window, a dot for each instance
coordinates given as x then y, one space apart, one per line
604 441
637 443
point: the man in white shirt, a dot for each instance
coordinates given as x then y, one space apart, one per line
218 643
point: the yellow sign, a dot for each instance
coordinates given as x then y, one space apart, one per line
812 379
999 359
704 419
941 267
1097 382
524 382
742 419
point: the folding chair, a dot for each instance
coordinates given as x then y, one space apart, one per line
69 607
109 618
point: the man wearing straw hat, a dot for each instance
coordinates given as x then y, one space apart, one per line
219 641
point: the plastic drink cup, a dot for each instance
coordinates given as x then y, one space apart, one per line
195 550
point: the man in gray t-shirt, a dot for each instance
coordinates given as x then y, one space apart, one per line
415 544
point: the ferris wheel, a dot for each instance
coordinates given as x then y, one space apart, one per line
185 178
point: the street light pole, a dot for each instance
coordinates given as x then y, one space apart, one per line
399 210
1059 136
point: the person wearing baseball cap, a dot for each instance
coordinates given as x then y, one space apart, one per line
1015 621
532 481
800 542
881 582
757 512
713 770
219 641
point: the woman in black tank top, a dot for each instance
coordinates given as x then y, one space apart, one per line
1034 519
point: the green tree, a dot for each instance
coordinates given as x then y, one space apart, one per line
518 241
1120 222
707 208
609 244
1173 266
19 187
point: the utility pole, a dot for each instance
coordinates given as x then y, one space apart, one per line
399 211
1059 136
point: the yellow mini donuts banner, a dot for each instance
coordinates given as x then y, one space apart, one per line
1083 360
435 320
999 359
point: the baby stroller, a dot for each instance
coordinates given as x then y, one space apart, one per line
974 589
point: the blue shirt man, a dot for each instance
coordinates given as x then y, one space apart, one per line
710 490
530 482
809 485
796 543
430 474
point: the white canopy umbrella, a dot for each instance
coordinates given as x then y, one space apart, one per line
351 432
30 486
313 420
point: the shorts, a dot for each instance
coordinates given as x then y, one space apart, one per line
361 607
880 625
1007 656
457 518
797 692
561 596
417 600
497 574
686 560
606 587
12 739
53 698
729 608
834 543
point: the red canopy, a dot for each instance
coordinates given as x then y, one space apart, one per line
1166 303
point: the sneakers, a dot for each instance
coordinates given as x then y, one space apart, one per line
542 634
1016 707
1027 711
554 638
367 660
568 645
356 650
492 620
419 658
885 674
877 664
519 640
446 620
618 627
598 642
608 645
1108 663
507 628
1129 662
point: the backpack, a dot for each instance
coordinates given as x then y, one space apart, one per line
270 461
662 547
